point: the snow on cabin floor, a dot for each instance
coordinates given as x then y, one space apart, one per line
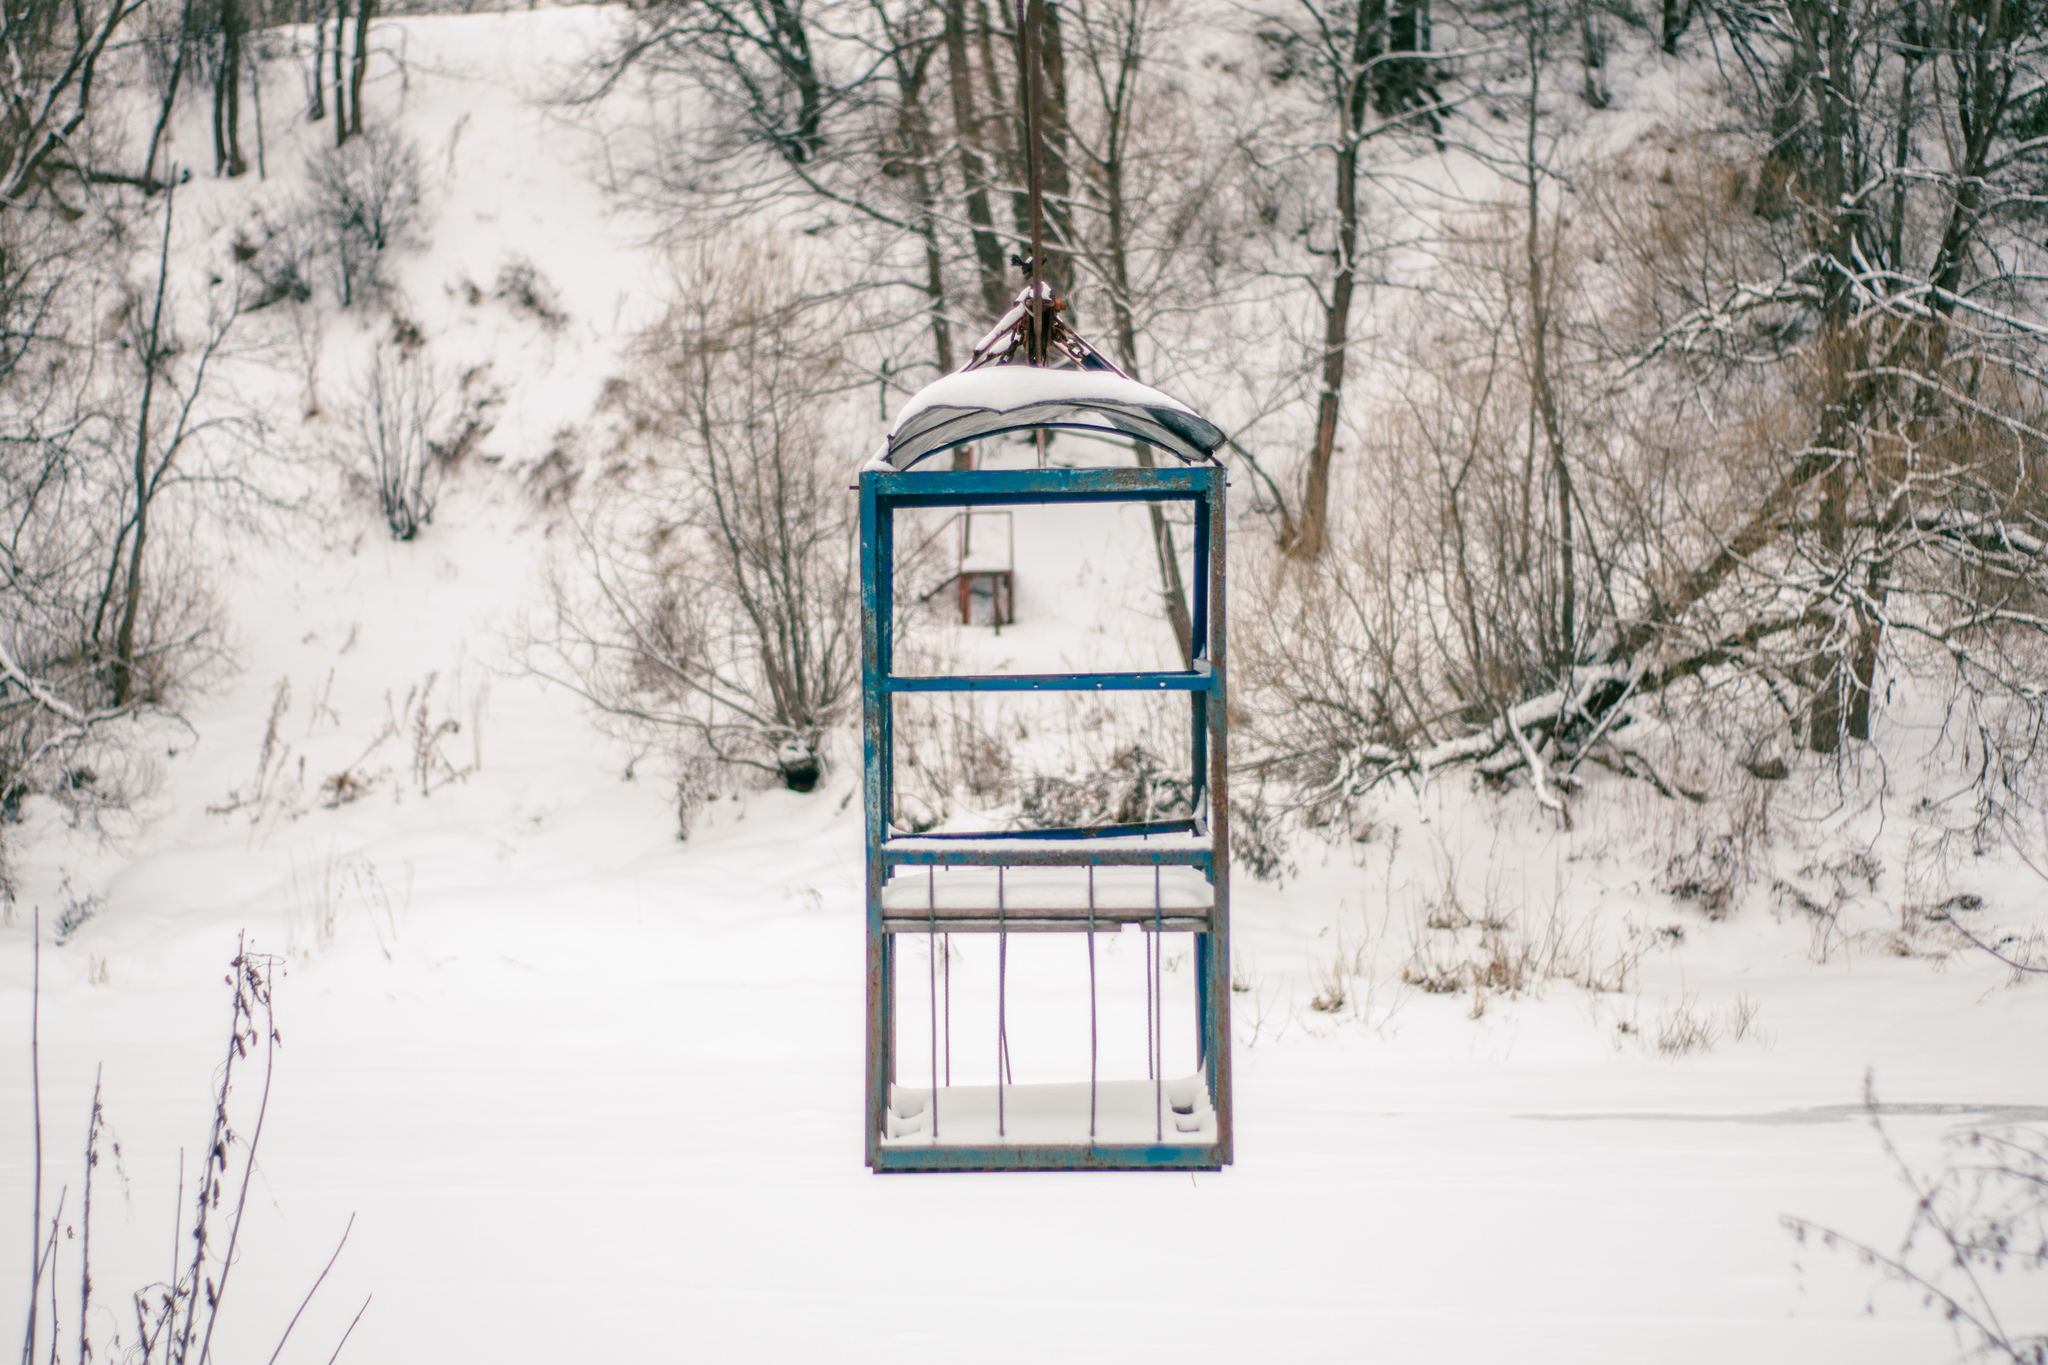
593 1093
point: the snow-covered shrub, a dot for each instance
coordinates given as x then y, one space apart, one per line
366 197
281 255
1135 787
392 419
955 751
526 290
1259 833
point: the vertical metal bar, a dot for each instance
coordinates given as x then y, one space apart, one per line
1092 1047
1205 1040
1217 1002
931 910
1159 1003
1201 612
874 745
885 646
1002 1002
1149 941
1198 702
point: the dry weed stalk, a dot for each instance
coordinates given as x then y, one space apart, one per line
174 1320
1491 949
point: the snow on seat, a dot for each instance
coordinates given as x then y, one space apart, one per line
961 897
968 405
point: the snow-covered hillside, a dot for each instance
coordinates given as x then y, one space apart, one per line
590 1091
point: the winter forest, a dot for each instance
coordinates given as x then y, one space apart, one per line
431 643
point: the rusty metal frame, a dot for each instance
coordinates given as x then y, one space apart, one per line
882 493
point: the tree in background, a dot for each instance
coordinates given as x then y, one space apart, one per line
712 603
50 56
1363 69
227 92
1737 420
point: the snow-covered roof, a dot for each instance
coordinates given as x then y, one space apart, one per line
970 404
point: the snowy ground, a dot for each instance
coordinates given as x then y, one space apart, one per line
591 1092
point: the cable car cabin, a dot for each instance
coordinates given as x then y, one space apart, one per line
1148 881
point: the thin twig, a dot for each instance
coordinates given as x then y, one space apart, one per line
35 1091
314 1290
1980 944
351 1328
92 1159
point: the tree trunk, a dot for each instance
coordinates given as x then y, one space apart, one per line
1592 58
1003 120
227 94
1676 15
1353 102
131 604
1171 588
319 109
913 131
1055 168
364 10
1541 390
1840 354
988 252
340 75
163 118
256 107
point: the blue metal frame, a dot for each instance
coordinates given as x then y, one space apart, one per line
881 494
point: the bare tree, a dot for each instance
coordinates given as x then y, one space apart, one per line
101 619
974 172
50 55
910 48
713 596
227 92
366 197
393 421
1759 419
1366 63
316 105
168 419
762 65
1891 226
1143 210
827 105
340 86
359 64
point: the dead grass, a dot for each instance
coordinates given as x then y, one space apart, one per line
1683 1030
1494 946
